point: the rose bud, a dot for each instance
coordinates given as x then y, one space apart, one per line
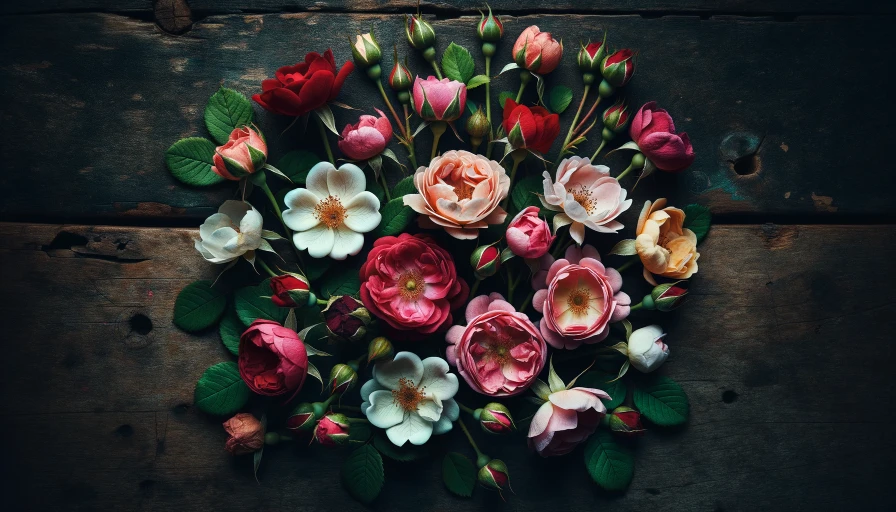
490 29
528 235
400 79
379 348
245 434
617 69
590 58
654 132
494 475
537 51
626 421
420 33
290 291
301 418
485 261
366 51
244 153
439 100
666 297
272 359
494 418
342 378
616 119
346 318
367 138
478 127
332 430
646 350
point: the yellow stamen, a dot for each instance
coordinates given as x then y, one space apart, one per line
331 212
408 396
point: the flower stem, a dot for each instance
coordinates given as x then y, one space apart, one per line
589 114
527 301
518 156
599 148
321 302
323 136
511 284
410 145
524 80
576 118
465 408
435 67
388 103
438 128
475 287
469 438
637 306
385 186
626 171
624 266
488 91
265 267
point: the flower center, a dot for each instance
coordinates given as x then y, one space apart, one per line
464 190
582 196
330 211
411 285
407 396
292 77
578 301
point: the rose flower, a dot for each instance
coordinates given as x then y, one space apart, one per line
537 51
272 359
654 132
528 235
366 138
529 127
244 153
665 247
297 90
566 419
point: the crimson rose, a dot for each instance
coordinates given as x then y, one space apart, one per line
297 90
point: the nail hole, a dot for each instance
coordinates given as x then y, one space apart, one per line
729 396
125 431
141 324
747 164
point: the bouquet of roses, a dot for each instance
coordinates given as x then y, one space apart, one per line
377 275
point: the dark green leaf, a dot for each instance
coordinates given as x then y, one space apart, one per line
226 109
254 302
376 189
199 306
609 464
359 433
697 218
504 96
220 390
362 474
231 329
560 97
190 161
296 164
405 453
343 281
601 380
314 268
457 63
404 187
459 474
661 400
476 81
396 218
525 190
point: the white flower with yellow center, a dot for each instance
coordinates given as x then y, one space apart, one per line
410 398
232 232
330 214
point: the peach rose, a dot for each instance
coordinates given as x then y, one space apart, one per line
460 191
665 247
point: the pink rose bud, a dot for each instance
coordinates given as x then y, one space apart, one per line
618 68
528 235
494 475
654 132
244 153
439 100
494 418
332 430
245 434
342 378
291 291
537 51
485 261
272 359
626 421
367 138
346 318
366 51
301 418
379 348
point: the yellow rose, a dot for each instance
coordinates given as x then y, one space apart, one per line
664 246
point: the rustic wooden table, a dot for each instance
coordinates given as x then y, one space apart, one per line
785 350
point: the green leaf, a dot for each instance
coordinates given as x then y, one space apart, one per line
404 187
316 267
405 453
697 218
624 248
376 189
560 97
525 192
609 464
220 390
477 80
396 218
362 474
661 400
231 328
457 63
459 474
190 161
504 96
296 164
254 302
226 109
344 281
601 380
359 433
199 306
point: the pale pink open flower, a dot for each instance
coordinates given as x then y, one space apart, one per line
566 419
366 138
460 192
499 352
586 195
578 297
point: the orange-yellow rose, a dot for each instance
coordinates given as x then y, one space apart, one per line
665 247
460 192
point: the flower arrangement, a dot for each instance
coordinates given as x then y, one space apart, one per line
378 276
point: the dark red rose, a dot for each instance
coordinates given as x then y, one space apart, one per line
290 291
530 127
297 90
346 318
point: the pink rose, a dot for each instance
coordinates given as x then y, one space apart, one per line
367 138
411 283
654 132
244 153
500 352
439 100
537 51
565 420
245 434
272 359
578 297
529 236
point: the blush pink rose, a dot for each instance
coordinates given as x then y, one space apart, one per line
568 417
537 51
528 235
439 100
578 297
241 161
272 359
366 138
411 284
500 352
653 131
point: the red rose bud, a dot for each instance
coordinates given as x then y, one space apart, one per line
366 51
244 153
616 120
618 68
490 29
494 418
420 34
590 58
346 318
626 421
667 296
400 79
301 418
485 261
245 434
530 127
342 378
494 475
332 430
379 348
290 291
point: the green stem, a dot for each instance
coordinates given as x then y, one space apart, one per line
511 284
527 301
321 302
323 136
576 118
488 91
599 148
624 266
410 145
388 103
265 267
519 94
465 408
589 114
438 128
469 438
435 66
518 156
637 306
626 171
267 191
385 186
474 288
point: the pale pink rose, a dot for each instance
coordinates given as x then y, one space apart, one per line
439 100
568 417
460 192
528 235
235 160
587 196
367 138
578 297
537 51
500 352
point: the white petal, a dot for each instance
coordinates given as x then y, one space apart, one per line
316 181
383 411
414 429
363 212
318 240
442 426
235 210
346 243
250 228
346 182
430 409
214 222
369 387
437 380
450 409
642 339
405 365
299 214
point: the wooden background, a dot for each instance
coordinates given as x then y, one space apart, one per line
785 351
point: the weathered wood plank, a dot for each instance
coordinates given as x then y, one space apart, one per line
784 352
108 94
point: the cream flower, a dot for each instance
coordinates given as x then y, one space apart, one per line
232 232
410 398
646 350
330 213
665 247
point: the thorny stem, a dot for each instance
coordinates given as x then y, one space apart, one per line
576 118
323 136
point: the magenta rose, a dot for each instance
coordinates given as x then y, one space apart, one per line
569 417
439 100
272 359
411 283
654 132
500 352
367 138
578 297
528 235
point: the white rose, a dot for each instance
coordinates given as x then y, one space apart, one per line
232 232
646 350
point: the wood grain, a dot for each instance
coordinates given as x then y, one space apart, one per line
785 117
784 352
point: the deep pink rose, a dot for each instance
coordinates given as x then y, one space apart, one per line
578 297
528 235
367 138
500 352
245 434
565 420
654 132
272 360
411 283
439 100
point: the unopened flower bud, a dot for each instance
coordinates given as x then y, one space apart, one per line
490 29
616 117
400 79
342 378
332 430
366 51
245 434
301 418
667 296
589 60
494 418
646 349
485 261
626 421
420 33
494 475
478 127
379 348
617 69
290 291
346 318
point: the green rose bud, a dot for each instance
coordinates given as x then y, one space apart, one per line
618 68
379 348
494 475
590 58
342 378
301 418
478 127
366 51
495 418
626 421
667 296
420 33
490 29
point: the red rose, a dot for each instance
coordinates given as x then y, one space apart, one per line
299 89
530 127
654 132
272 359
289 291
411 283
346 318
